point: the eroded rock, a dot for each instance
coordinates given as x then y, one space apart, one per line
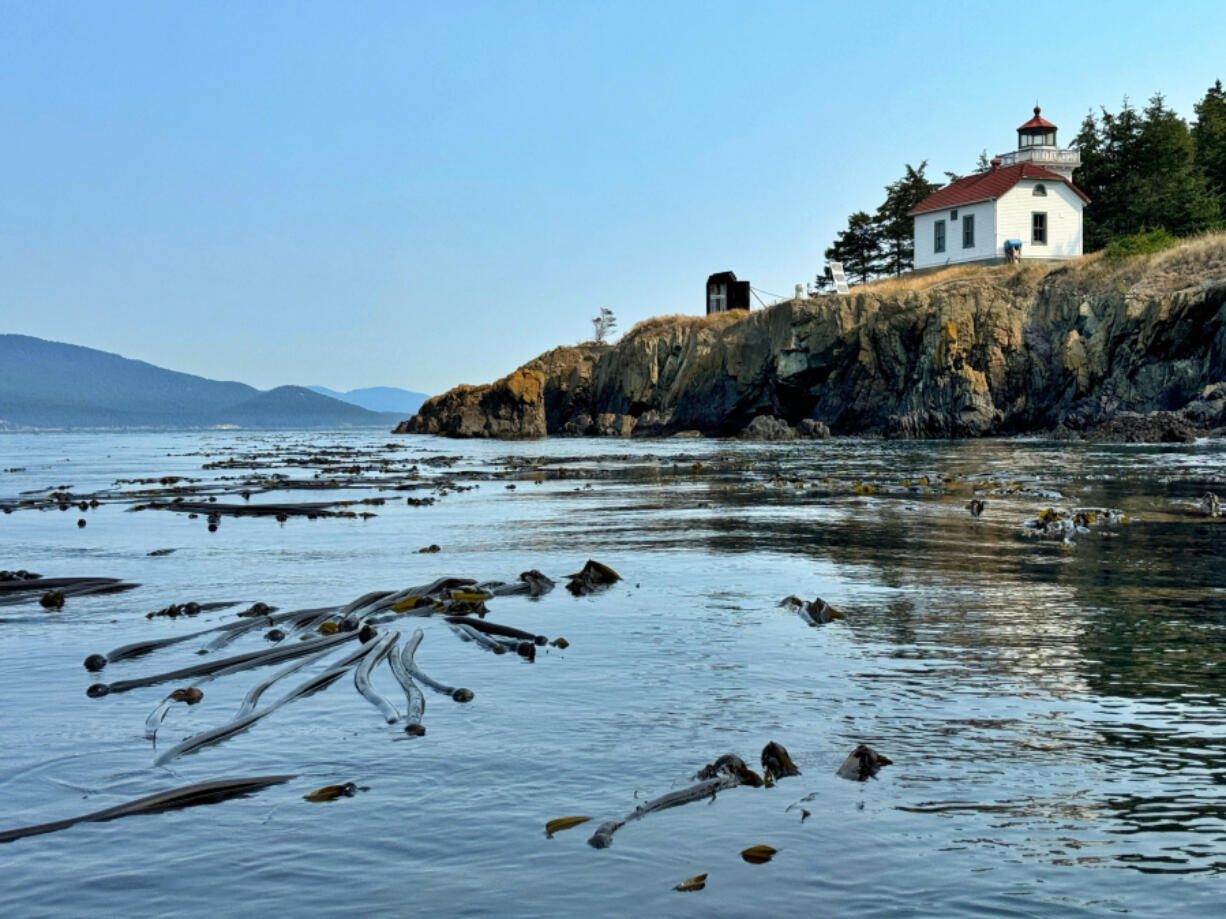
512 408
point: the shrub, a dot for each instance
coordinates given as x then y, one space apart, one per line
1146 242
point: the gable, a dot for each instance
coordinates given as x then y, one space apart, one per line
988 186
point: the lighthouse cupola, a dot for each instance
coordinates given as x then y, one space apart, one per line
1036 143
1037 132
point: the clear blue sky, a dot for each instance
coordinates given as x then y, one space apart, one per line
424 194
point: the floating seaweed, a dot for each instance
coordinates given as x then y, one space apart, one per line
697 882
862 764
592 577
776 763
563 823
816 612
728 775
19 589
210 792
758 855
332 792
343 624
459 694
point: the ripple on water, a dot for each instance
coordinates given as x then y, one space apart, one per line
1051 712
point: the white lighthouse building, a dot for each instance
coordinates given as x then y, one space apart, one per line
1024 206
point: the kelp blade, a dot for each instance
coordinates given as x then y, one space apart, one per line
757 855
563 823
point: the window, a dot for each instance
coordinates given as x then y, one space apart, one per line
938 236
1040 191
1046 139
953 215
968 231
1038 228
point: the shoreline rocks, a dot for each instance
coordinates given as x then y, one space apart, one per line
1119 352
512 408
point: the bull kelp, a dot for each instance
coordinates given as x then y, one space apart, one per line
993 682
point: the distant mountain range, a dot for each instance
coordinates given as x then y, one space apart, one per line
378 398
46 384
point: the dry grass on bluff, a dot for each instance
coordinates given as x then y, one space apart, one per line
715 321
1188 263
1192 261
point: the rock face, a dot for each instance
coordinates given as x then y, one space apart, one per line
512 408
1003 351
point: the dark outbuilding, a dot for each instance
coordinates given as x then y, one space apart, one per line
725 292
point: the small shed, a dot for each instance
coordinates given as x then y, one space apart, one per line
725 292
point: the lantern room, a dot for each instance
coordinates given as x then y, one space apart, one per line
1036 143
1037 132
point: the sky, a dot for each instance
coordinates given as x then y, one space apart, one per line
421 194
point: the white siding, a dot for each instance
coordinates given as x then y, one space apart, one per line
1063 209
986 236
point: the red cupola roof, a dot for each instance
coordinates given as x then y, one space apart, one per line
1037 124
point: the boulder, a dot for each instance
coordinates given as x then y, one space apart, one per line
767 427
1136 428
812 429
512 408
1208 410
578 425
608 424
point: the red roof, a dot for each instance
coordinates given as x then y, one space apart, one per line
988 186
1037 123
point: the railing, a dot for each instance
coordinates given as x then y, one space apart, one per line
1057 155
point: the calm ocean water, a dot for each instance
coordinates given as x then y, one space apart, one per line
1054 715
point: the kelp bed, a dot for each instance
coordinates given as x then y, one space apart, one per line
254 483
328 642
289 657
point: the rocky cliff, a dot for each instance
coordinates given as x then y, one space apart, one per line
1086 346
510 408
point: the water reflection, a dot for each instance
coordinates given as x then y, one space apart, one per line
1059 705
1136 612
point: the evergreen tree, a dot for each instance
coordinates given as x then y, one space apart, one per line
1121 141
983 164
895 230
1209 133
1141 171
858 247
1171 190
1094 177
